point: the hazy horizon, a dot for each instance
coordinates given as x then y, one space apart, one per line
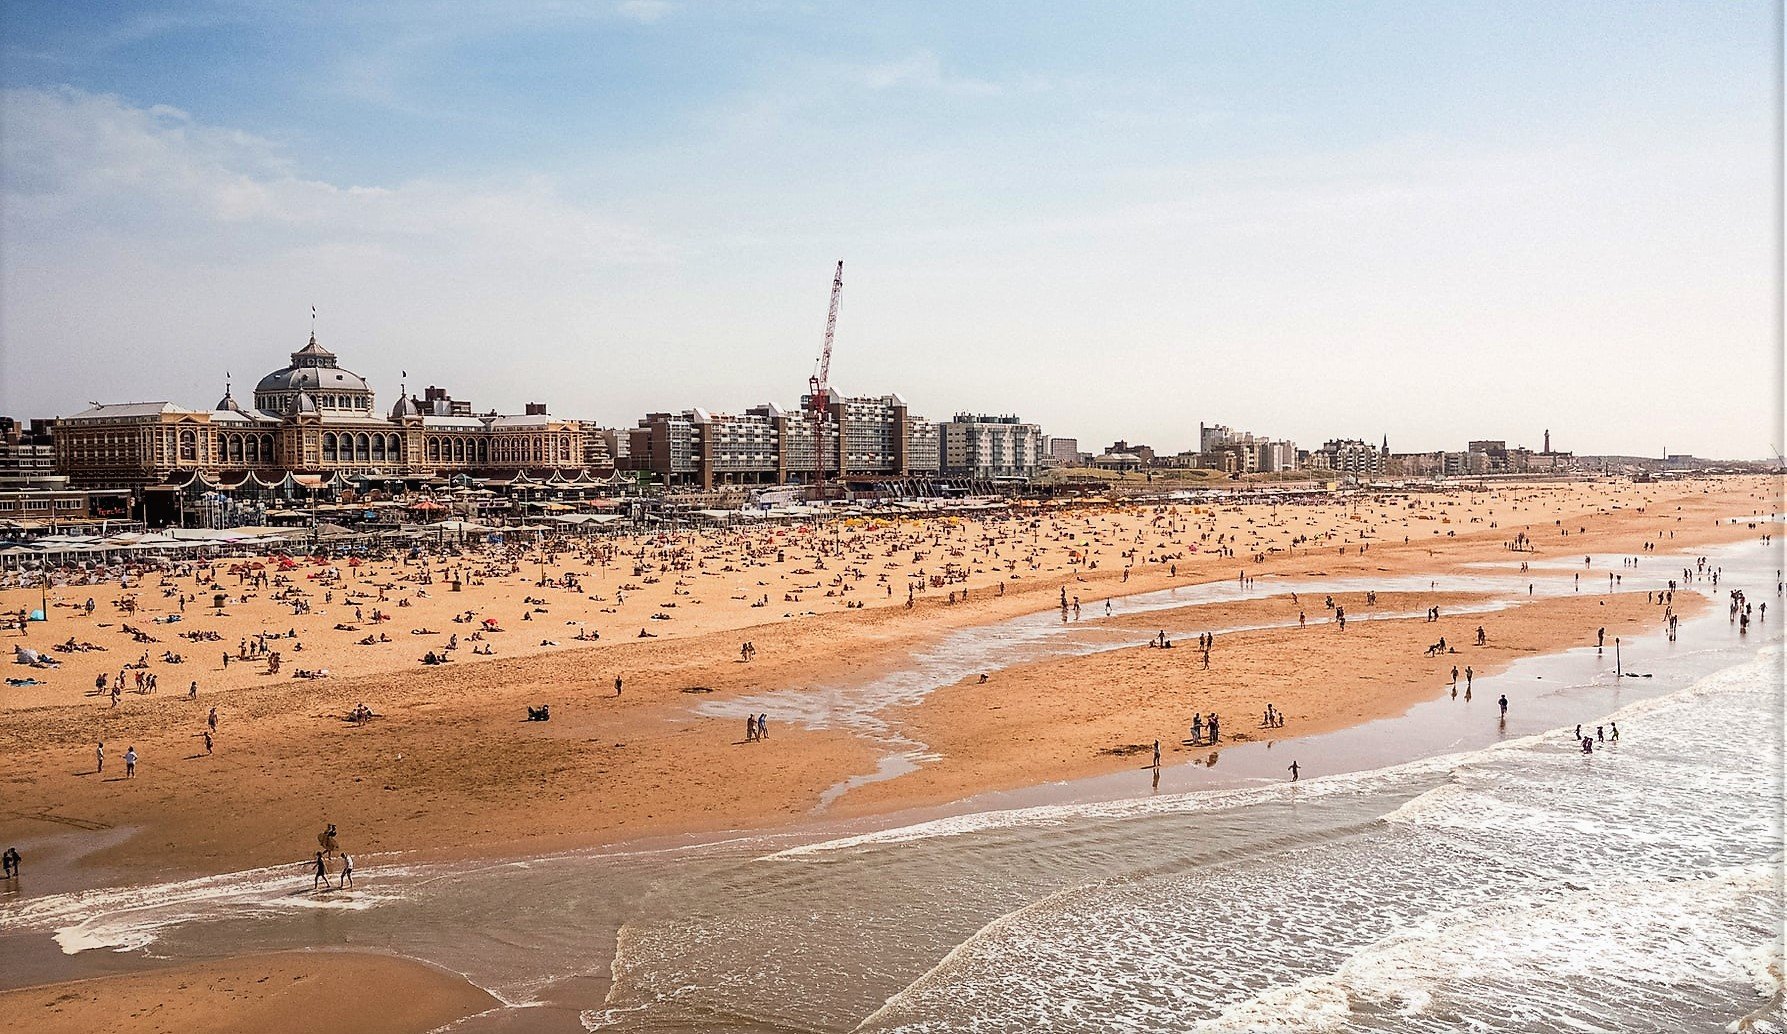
1432 222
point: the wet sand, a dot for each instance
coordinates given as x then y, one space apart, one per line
1078 717
339 992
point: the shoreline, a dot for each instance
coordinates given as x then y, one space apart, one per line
1251 764
825 755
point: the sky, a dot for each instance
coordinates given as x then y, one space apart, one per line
1430 221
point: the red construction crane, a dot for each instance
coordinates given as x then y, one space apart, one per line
819 389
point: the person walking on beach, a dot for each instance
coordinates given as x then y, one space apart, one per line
1469 674
1156 754
211 719
1504 703
320 875
10 860
347 870
763 726
1293 771
130 762
617 685
750 728
99 759
208 743
1615 736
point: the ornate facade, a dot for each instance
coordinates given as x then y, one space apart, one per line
311 420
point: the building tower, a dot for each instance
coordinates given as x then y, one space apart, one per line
1548 441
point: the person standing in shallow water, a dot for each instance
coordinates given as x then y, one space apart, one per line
1294 771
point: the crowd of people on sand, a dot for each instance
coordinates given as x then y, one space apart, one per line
948 561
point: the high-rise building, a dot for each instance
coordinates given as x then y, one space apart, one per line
766 444
1351 456
28 455
1241 452
1065 451
980 446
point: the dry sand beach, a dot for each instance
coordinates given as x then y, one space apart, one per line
450 768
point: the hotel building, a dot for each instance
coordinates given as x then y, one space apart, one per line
311 422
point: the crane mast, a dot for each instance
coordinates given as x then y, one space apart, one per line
819 388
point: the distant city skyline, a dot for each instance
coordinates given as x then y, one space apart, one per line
1432 223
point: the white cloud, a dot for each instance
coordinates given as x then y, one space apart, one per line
924 70
148 250
644 11
76 160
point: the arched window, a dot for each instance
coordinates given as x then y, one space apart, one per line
459 450
394 448
378 447
362 447
434 450
329 453
483 450
189 446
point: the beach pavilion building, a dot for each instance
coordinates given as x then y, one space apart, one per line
314 426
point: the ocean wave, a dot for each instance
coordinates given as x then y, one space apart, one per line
1643 942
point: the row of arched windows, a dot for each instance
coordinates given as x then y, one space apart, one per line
535 449
240 450
540 449
361 447
458 449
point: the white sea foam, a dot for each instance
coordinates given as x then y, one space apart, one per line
1742 677
1535 889
1645 939
129 918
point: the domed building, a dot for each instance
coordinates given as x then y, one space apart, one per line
313 422
313 372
